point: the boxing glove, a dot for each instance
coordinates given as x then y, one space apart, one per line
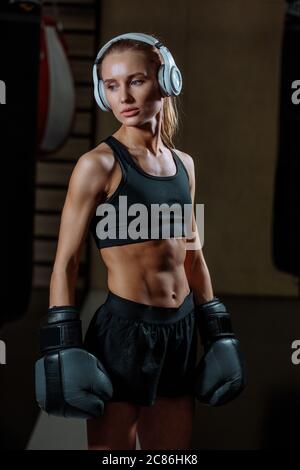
69 381
220 374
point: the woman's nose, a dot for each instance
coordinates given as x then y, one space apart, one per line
125 95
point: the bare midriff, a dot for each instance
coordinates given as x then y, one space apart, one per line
149 272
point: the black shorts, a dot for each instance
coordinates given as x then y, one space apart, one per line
147 351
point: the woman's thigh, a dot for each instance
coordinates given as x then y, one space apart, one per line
116 429
168 424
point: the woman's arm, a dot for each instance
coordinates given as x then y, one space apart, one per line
195 266
85 192
70 382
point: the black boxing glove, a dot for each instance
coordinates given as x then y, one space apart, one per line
220 374
69 381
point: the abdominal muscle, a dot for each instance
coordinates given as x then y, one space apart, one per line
150 272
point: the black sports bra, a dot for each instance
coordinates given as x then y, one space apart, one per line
143 207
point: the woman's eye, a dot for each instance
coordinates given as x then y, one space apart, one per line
140 81
111 87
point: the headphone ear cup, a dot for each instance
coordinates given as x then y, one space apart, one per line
170 80
105 103
161 80
175 80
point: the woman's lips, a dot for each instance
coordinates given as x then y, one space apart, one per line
132 112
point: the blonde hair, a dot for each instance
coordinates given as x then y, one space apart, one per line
170 118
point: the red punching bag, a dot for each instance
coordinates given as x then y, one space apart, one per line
56 90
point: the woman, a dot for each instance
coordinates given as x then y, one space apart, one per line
144 334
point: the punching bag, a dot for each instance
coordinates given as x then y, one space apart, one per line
56 90
286 207
19 43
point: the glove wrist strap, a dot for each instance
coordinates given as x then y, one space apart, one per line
63 329
213 321
62 314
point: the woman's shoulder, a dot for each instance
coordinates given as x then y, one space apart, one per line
93 169
101 152
100 158
186 159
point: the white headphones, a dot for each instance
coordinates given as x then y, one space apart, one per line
169 76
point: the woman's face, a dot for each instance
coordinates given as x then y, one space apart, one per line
130 81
